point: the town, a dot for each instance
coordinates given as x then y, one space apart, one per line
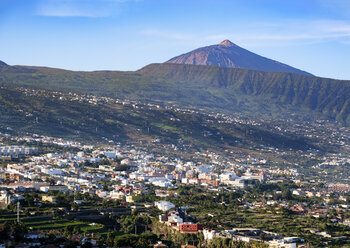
113 194
174 124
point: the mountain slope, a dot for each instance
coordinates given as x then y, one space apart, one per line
2 64
212 87
328 96
85 118
228 54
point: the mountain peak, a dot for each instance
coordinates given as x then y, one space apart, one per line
226 43
228 54
3 64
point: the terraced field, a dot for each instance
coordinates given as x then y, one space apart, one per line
47 223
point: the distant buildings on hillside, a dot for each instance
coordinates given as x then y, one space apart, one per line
17 150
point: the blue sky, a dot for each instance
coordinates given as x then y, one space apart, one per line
313 35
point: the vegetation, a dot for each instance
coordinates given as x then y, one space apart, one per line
225 210
47 114
227 89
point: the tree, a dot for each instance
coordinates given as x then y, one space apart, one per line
87 245
5 231
110 239
19 230
68 231
286 194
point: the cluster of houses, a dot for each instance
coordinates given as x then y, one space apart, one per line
252 235
88 170
176 218
193 174
13 151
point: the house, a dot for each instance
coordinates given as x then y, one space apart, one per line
298 209
164 205
25 185
129 199
13 177
346 222
293 239
5 198
189 227
174 219
281 244
48 198
209 234
298 192
62 188
117 195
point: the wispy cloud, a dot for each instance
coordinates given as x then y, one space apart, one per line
292 31
340 7
79 8
68 11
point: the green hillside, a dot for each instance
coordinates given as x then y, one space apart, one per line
327 96
222 89
72 116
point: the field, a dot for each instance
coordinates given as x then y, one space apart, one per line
47 223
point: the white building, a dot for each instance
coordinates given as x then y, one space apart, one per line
161 182
175 218
209 234
239 182
281 244
17 150
164 205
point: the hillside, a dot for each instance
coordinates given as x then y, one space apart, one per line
327 96
228 54
90 118
2 64
216 88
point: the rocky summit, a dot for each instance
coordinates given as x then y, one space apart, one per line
228 54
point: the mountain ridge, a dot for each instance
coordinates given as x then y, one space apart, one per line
227 54
321 94
212 87
3 64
